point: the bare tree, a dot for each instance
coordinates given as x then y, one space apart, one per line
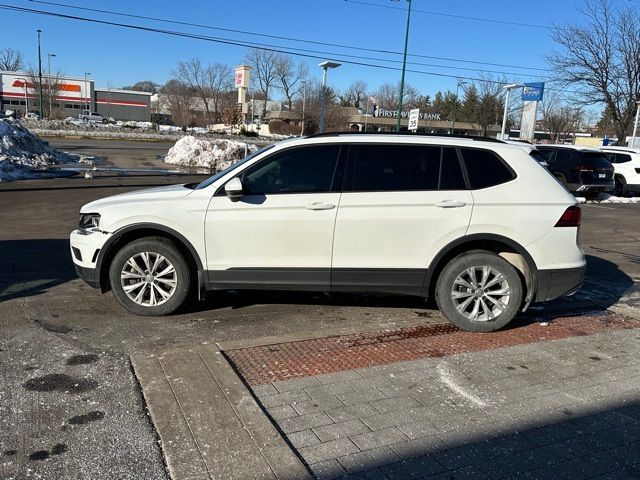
600 58
355 95
11 60
488 107
290 76
387 96
51 88
263 63
218 79
143 86
177 96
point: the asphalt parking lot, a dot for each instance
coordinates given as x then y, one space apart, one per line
71 405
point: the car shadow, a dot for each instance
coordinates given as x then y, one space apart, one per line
605 284
31 267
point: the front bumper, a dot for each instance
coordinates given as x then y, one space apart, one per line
554 284
85 248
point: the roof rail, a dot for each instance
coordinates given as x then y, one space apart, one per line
404 133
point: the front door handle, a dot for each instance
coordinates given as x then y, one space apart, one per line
450 204
320 206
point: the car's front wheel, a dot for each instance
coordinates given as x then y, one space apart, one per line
150 276
479 291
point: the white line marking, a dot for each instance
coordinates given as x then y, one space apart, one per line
447 378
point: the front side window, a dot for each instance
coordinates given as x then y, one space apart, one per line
395 167
485 169
296 170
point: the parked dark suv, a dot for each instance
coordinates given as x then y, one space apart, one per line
584 171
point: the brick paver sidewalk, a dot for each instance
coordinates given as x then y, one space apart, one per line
565 408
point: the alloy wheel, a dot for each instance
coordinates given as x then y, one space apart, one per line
148 279
480 293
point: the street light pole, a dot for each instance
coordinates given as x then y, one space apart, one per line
635 127
323 95
455 107
49 55
304 101
40 109
508 88
87 95
404 68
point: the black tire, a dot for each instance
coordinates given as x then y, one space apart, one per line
156 246
591 195
457 267
620 189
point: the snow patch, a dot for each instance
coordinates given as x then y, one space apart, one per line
213 154
22 153
606 198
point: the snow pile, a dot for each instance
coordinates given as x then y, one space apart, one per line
22 151
213 154
606 198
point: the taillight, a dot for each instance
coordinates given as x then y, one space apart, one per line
571 217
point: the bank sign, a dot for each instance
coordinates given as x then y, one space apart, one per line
532 92
422 116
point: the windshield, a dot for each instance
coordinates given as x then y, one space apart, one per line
222 173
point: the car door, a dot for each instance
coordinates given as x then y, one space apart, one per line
279 234
401 203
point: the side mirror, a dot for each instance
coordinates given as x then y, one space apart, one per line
233 189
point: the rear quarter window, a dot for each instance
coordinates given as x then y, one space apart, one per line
595 159
485 169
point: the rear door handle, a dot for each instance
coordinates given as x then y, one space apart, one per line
320 206
450 204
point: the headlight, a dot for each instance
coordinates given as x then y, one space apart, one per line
89 220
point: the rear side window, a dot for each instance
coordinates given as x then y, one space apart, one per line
395 167
546 154
622 158
485 169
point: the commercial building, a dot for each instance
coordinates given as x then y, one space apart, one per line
70 96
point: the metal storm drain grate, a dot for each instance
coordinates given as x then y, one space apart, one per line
265 364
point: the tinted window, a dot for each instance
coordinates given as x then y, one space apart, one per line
595 159
297 170
451 177
395 167
538 156
485 169
546 154
563 155
611 157
622 158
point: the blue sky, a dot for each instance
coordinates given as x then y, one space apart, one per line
118 56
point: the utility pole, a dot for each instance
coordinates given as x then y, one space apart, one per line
304 101
40 109
404 67
49 55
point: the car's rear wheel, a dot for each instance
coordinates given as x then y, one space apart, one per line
479 291
150 276
621 189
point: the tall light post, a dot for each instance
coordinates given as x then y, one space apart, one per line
323 95
304 101
40 109
508 88
49 55
86 92
635 127
455 106
404 66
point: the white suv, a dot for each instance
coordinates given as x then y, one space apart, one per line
475 223
626 164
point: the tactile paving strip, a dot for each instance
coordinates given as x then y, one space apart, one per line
284 361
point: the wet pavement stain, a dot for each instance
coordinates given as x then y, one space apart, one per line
82 359
39 455
57 382
49 327
10 453
595 359
86 418
59 449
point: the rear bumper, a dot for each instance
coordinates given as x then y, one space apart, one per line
554 284
595 188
